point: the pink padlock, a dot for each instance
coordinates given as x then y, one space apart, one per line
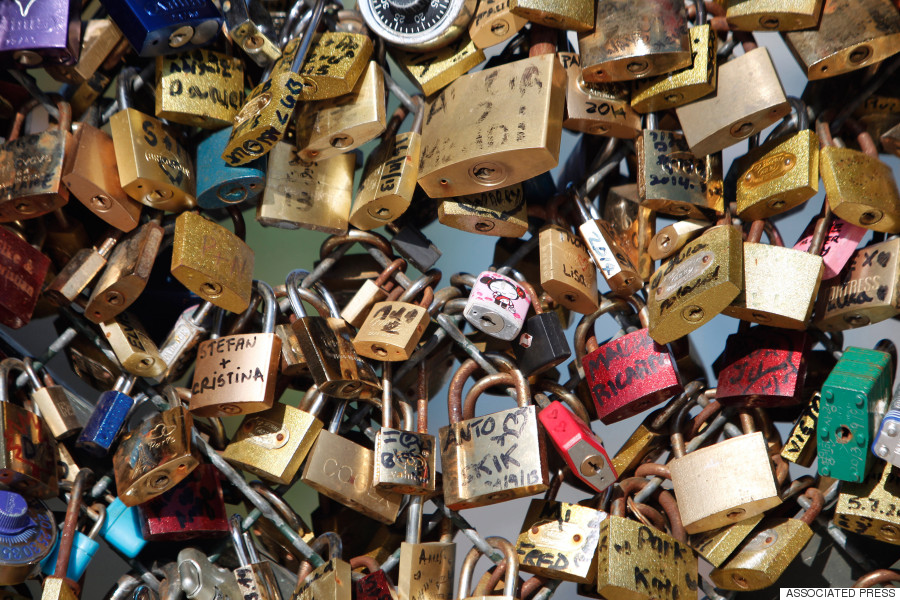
579 447
840 242
497 305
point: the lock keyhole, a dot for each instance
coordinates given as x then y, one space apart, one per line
843 434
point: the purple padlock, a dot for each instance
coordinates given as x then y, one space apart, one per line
36 33
497 305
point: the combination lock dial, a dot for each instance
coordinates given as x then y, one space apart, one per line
417 24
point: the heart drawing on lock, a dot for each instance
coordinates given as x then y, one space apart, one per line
23 10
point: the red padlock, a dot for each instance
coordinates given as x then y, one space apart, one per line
375 585
22 273
576 443
194 508
630 374
764 366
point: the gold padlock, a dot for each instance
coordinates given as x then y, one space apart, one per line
858 507
575 15
133 347
567 273
773 15
473 148
501 212
860 188
200 88
597 108
494 23
716 545
632 225
427 569
800 447
336 60
613 263
433 70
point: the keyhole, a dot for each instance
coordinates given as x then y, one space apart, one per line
843 434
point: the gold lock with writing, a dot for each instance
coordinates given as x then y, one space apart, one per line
494 23
869 508
336 60
199 88
632 225
501 212
133 347
716 545
800 446
330 581
575 15
597 108
567 272
433 70
427 569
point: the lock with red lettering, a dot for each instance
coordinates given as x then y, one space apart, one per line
195 508
22 273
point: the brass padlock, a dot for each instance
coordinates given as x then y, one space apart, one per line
134 349
567 273
212 262
850 36
273 443
800 447
236 374
372 291
31 181
613 263
861 188
330 581
696 284
427 569
81 269
631 40
469 148
154 168
155 456
716 545
501 212
100 39
632 225
576 15
479 467
858 508
53 403
331 127
432 70
312 195
597 108
336 60
672 238
200 88
389 177
494 23
772 15
735 112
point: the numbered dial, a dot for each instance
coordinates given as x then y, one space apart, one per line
417 24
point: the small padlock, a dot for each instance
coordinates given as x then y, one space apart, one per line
597 108
480 468
255 577
53 403
336 61
427 569
613 263
632 225
840 243
195 508
122 528
167 28
542 343
375 585
134 349
432 70
186 333
80 270
28 533
567 273
274 443
201 579
199 88
252 31
108 417
219 184
23 270
31 188
865 508
100 38
330 581
83 549
358 308
716 545
497 305
765 15
801 446
236 374
494 22
212 262
644 441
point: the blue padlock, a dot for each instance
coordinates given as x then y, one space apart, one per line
165 26
108 417
83 549
219 184
122 528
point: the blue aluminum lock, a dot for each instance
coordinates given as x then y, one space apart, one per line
165 26
219 184
107 419
83 549
122 528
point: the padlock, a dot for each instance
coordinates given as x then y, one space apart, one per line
122 527
637 561
426 569
49 34
99 39
468 148
195 508
766 15
597 108
510 577
134 349
716 545
167 28
632 40
154 168
542 343
108 417
632 225
393 329
410 243
219 184
331 127
861 188
91 174
761 560
81 269
494 22
578 445
497 305
28 534
199 88
672 238
255 577
849 36
358 308
329 352
58 586
696 284
758 302
781 174
405 460
342 470
644 441
480 468
432 70
236 374
375 585
567 273
22 273
869 508
330 581
201 579
740 469
673 180
177 349
272 444
312 195
613 263
630 374
501 212
884 445
763 366
126 274
212 262
337 60
53 404
801 446
840 243
155 456
29 450
558 539
685 85
252 31
734 113
31 188
83 549
856 385
576 16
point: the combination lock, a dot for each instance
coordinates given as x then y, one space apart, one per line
417 24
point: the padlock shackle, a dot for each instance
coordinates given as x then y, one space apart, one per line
313 401
70 524
97 527
330 541
123 86
308 36
585 328
364 562
429 279
237 539
514 378
324 302
335 425
64 121
509 559
565 396
533 297
32 373
6 366
270 305
877 577
817 501
555 483
366 238
279 504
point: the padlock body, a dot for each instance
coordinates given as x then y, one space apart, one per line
716 545
494 23
334 63
101 430
28 453
273 443
56 588
375 586
542 344
629 375
332 359
426 571
220 184
122 528
482 466
861 188
22 553
432 70
567 273
22 273
501 212
199 88
772 15
331 580
30 188
577 15
841 241
631 225
195 508
497 305
57 411
800 446
83 550
168 27
580 448
134 349
866 508
405 462
391 331
45 32
388 183
763 367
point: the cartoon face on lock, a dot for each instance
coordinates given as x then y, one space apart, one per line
503 292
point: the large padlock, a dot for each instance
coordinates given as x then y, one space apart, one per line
200 88
28 535
236 374
195 508
480 465
167 28
48 33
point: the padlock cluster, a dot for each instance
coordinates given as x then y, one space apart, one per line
180 460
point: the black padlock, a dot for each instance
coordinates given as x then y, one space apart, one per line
542 343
